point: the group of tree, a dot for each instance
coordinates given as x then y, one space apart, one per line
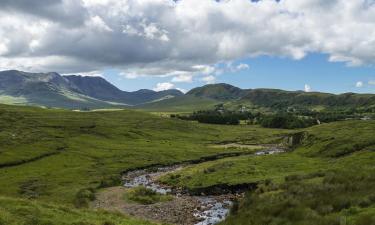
286 121
217 117
290 118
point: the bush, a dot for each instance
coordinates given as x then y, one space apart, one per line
285 121
145 196
110 182
83 197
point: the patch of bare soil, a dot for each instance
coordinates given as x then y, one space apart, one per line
180 210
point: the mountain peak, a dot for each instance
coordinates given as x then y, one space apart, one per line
219 91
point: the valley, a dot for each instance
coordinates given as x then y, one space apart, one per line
216 155
60 158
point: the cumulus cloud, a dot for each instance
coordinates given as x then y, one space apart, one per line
165 37
243 66
359 84
185 78
209 79
307 88
163 86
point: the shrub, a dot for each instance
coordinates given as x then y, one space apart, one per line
145 196
83 197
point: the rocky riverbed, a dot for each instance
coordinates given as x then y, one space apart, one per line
203 210
183 209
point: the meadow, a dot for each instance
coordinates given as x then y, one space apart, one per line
62 157
53 161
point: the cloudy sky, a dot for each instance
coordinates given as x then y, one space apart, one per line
311 45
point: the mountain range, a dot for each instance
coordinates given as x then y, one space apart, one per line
78 92
73 92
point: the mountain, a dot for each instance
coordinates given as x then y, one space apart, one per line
77 92
218 92
279 98
44 89
209 95
73 92
99 88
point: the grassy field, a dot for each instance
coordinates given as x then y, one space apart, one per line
327 179
52 161
62 157
17 211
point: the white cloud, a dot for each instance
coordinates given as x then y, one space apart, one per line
191 36
209 79
371 82
243 66
204 69
307 88
163 86
359 84
184 78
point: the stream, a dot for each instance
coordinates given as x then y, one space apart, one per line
206 210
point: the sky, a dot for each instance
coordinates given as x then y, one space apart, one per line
310 45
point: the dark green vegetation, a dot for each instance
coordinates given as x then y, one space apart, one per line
145 196
72 92
226 117
216 117
327 179
286 121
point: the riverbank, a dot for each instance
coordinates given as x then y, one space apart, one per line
185 208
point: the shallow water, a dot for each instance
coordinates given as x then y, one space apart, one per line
215 212
212 209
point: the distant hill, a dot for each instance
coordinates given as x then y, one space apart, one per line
78 92
268 98
99 88
218 92
73 92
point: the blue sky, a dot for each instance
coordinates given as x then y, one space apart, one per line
272 72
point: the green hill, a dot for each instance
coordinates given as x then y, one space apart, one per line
262 98
218 92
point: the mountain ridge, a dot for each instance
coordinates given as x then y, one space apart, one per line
72 91
77 92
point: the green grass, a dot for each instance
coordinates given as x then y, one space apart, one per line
56 159
24 212
91 149
243 169
340 191
182 104
145 196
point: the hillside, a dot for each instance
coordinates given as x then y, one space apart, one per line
265 98
99 88
218 92
78 92
72 92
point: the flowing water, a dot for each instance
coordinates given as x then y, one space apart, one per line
211 209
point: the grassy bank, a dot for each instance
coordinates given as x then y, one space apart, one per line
17 211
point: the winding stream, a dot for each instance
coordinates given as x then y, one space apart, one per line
206 210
